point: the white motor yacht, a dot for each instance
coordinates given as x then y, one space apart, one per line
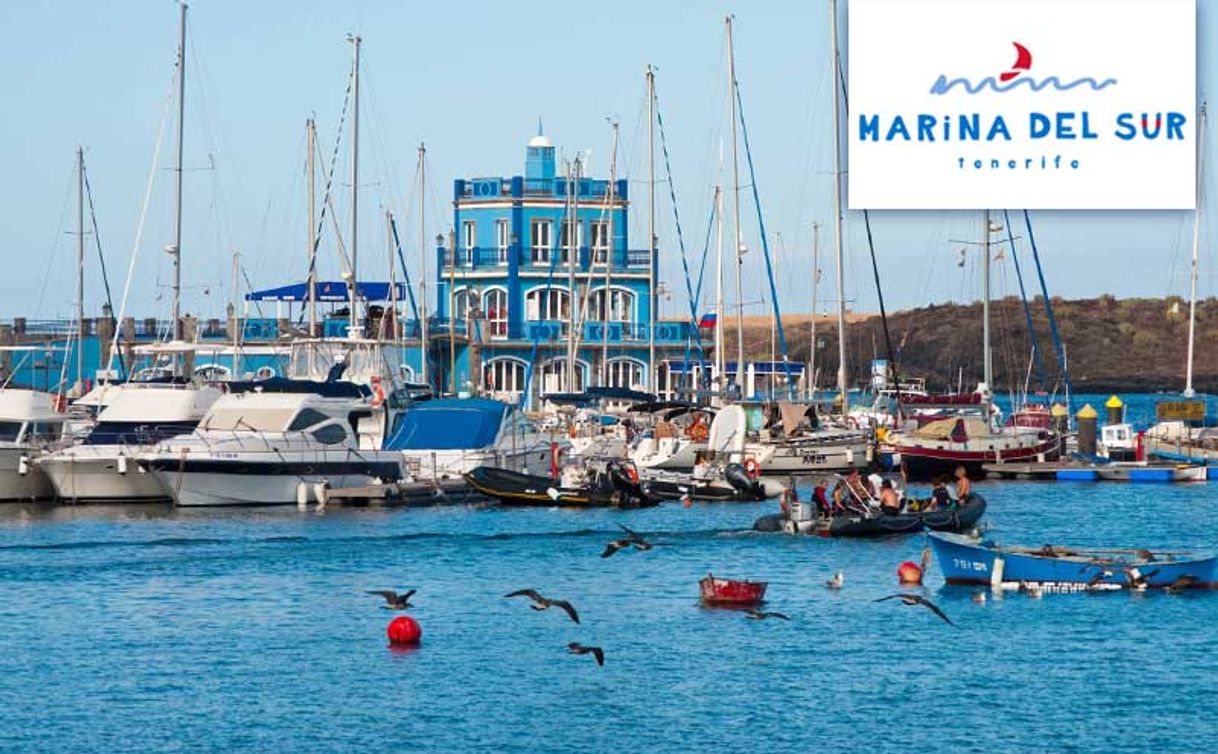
29 424
137 415
269 442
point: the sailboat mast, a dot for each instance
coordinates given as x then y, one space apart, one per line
739 238
177 222
842 381
311 139
572 251
1189 392
392 333
606 295
720 360
80 268
654 302
423 314
812 327
353 288
986 353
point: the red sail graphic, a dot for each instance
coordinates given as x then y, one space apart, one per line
1023 61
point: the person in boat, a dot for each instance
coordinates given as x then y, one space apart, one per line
964 487
851 492
702 468
820 495
890 501
940 498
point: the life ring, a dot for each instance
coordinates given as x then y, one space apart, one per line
698 432
378 393
753 468
573 432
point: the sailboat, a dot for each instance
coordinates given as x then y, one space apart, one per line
136 413
1174 438
966 436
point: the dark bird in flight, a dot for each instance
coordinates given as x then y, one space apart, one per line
543 603
917 599
576 648
1181 583
632 539
755 614
1095 580
393 600
1138 581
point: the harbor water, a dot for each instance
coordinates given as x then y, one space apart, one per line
173 630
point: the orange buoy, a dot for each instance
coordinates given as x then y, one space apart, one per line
909 573
404 631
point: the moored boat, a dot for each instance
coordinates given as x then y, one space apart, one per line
577 488
718 592
964 560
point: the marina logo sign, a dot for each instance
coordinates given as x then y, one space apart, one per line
1097 111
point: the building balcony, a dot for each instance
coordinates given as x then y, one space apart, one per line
484 258
474 189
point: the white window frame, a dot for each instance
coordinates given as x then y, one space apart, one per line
564 239
601 243
469 234
506 370
497 318
541 240
503 235
548 304
632 368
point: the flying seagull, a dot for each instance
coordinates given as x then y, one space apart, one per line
917 599
576 648
393 600
632 539
542 603
755 614
1181 583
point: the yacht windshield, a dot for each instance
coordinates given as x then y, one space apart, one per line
248 419
9 431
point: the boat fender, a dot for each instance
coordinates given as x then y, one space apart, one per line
321 490
302 495
752 467
122 464
23 465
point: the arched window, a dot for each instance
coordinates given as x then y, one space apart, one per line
548 304
505 377
553 377
497 312
464 300
626 373
621 305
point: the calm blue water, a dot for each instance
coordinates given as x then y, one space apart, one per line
161 630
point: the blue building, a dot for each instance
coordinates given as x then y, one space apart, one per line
534 263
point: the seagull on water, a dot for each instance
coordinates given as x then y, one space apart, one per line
576 648
917 599
979 598
544 603
393 600
755 614
837 581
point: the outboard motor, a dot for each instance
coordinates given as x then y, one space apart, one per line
622 477
736 476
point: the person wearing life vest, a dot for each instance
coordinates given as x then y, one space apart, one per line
821 496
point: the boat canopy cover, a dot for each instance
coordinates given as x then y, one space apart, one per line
450 424
335 389
955 429
334 291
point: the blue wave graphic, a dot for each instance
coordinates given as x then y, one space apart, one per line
943 86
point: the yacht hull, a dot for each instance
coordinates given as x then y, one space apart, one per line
15 485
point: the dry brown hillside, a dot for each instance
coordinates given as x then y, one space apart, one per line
1129 344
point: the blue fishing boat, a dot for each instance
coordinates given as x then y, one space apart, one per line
965 560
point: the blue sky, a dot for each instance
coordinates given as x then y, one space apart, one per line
471 80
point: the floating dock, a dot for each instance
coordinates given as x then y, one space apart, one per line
1076 471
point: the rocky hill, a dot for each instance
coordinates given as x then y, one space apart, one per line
1110 344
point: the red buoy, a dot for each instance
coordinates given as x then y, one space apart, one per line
909 573
404 631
